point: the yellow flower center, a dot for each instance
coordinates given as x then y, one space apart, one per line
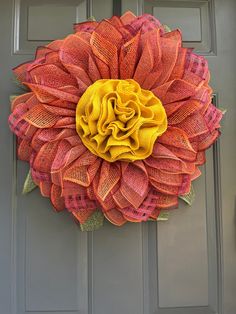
117 120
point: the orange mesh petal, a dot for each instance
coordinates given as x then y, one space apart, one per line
57 199
24 150
128 57
87 26
134 182
80 74
75 51
79 173
45 188
20 99
45 156
184 111
175 90
115 217
169 45
176 137
127 18
40 117
165 201
173 190
83 214
179 67
164 177
106 52
193 125
93 71
196 174
145 64
109 177
120 200
47 94
51 75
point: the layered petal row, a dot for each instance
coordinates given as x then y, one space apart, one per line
130 155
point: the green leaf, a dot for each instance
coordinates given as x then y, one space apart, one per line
12 97
166 28
188 198
29 184
92 18
163 216
19 84
223 110
94 222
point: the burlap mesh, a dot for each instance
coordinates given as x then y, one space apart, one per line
175 90
193 125
144 23
115 217
153 73
93 71
184 111
107 53
75 51
201 158
24 150
78 202
127 18
57 199
44 118
179 67
108 203
169 46
196 174
51 75
22 99
107 30
45 156
145 64
41 52
40 117
162 176
109 177
83 214
175 140
172 165
47 94
66 122
120 200
128 57
39 176
171 189
205 141
173 107
45 188
88 26
134 182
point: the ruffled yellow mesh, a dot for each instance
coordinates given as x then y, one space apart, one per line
117 120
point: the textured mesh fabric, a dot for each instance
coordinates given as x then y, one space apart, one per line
117 120
43 119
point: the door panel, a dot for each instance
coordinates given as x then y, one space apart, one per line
37 22
177 259
196 19
47 265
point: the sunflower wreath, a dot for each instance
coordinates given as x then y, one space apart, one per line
116 121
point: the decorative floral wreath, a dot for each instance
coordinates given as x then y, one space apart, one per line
116 121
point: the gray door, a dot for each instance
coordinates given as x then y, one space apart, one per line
184 266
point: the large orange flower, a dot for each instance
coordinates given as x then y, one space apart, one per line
125 159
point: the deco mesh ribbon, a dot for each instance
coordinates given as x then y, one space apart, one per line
116 120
